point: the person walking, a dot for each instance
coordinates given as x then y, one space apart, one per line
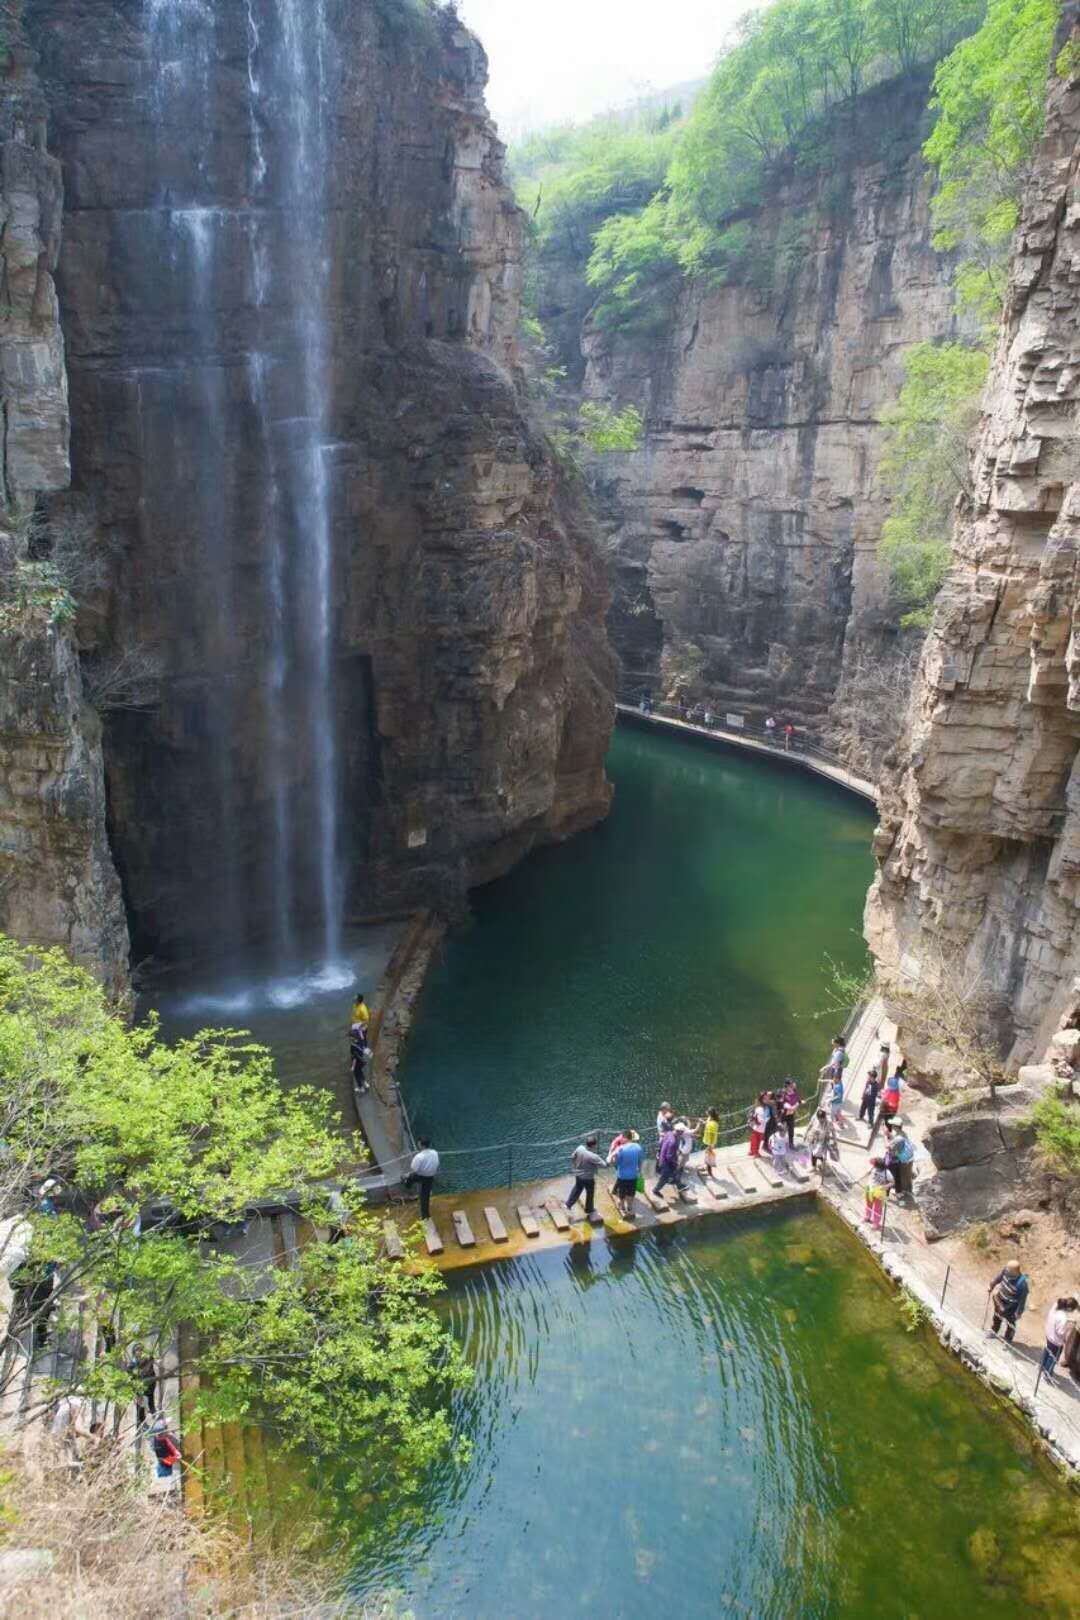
1058 1320
821 1140
710 1136
759 1118
900 1157
868 1104
790 1103
585 1162
665 1118
628 1159
889 1106
878 1183
1009 1295
423 1170
836 1102
667 1163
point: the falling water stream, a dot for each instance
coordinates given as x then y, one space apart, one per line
269 398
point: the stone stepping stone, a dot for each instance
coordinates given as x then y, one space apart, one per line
742 1181
431 1237
463 1229
595 1219
529 1223
392 1243
713 1190
768 1174
495 1224
559 1215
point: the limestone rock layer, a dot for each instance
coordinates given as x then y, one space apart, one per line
979 842
747 524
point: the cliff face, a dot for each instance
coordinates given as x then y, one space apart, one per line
979 842
746 526
57 881
289 306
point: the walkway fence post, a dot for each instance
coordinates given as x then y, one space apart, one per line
1038 1381
510 1164
884 1218
945 1284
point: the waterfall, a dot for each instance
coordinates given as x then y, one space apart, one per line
256 448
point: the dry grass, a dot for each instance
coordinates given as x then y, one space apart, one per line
120 1554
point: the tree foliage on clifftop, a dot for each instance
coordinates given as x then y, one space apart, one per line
990 99
671 196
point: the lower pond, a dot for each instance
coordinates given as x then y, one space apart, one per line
726 1418
676 953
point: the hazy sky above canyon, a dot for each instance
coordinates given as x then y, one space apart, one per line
557 59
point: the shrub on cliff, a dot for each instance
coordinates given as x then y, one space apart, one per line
990 97
1057 1132
340 1353
925 467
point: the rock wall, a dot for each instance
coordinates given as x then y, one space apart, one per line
979 841
57 881
746 526
471 674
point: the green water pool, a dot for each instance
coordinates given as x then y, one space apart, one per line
675 953
727 1419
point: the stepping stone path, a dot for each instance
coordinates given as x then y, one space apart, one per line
495 1224
529 1223
463 1229
395 1249
431 1237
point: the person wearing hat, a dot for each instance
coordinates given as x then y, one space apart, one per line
1009 1292
585 1162
900 1157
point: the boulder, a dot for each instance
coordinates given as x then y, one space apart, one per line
972 1192
967 1140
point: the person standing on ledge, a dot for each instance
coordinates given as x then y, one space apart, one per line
1058 1319
710 1136
868 1105
759 1118
1009 1292
667 1162
628 1159
423 1170
360 1013
585 1162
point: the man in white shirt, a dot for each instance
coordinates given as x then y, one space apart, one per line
423 1170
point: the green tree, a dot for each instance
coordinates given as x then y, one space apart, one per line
925 467
340 1354
989 94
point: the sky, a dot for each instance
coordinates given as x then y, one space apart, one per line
558 59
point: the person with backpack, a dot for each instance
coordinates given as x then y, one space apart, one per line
628 1158
166 1448
900 1157
889 1106
585 1162
423 1170
1009 1294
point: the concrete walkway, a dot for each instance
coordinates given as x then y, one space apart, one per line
722 738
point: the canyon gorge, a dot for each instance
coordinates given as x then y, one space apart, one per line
342 612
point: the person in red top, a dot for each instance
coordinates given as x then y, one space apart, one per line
789 734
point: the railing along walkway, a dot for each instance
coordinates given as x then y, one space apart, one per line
805 756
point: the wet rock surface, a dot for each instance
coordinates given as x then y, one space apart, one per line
470 672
